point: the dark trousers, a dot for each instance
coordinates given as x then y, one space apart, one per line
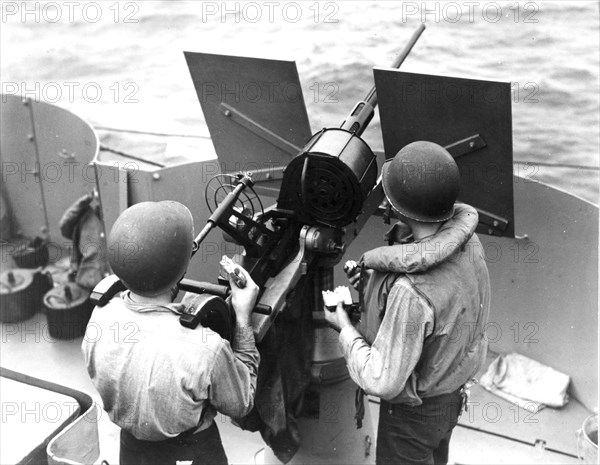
417 435
201 448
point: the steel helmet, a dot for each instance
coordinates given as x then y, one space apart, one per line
150 246
422 182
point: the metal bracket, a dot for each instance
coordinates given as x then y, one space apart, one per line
259 130
464 146
368 444
370 206
70 158
491 224
278 287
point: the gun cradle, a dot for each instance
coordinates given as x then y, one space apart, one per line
277 288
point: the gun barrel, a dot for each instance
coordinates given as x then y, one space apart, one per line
371 98
363 111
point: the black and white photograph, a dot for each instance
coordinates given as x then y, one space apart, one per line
299 232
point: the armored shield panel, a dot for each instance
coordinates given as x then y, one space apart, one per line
254 110
21 182
472 119
45 152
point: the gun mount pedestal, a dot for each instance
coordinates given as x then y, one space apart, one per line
330 435
327 425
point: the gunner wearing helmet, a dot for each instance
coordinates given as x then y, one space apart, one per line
160 382
426 303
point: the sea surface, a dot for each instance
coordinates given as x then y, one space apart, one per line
121 64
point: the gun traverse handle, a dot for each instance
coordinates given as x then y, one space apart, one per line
262 309
219 290
199 287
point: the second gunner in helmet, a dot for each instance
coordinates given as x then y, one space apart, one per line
160 382
426 303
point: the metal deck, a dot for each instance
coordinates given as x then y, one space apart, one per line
495 432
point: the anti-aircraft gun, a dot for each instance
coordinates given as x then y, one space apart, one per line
323 190
329 189
324 196
326 188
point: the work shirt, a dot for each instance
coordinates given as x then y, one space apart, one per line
386 368
157 378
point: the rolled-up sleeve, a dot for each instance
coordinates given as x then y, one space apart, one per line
233 377
383 368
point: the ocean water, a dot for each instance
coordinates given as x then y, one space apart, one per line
121 64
